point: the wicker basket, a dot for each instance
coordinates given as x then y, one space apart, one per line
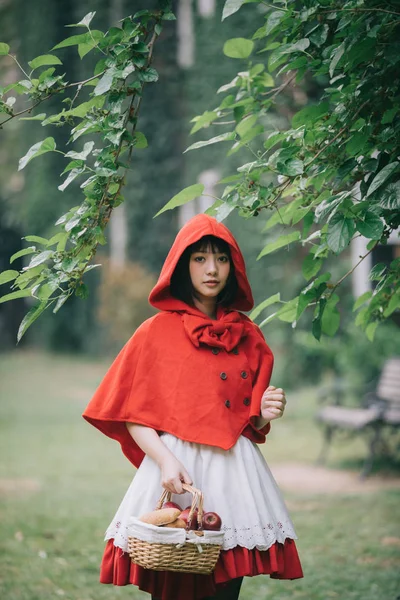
195 552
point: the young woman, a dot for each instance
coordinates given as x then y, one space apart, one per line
188 398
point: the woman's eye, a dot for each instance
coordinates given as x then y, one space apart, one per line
223 259
199 258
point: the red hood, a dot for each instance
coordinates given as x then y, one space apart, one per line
191 232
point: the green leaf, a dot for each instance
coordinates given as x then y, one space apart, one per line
40 258
84 49
184 196
82 291
258 309
36 239
377 272
362 317
58 237
149 76
283 240
39 117
357 142
105 83
140 47
390 199
246 124
87 148
15 295
394 303
361 299
47 145
293 167
44 59
238 48
168 16
371 226
330 319
62 299
382 176
28 274
340 232
310 114
45 291
223 211
30 317
266 80
273 20
337 55
85 22
389 115
370 330
82 109
140 140
230 7
84 38
320 36
203 120
23 252
219 138
4 49
73 174
310 266
247 137
298 46
288 312
7 276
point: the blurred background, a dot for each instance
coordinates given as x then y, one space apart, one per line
56 502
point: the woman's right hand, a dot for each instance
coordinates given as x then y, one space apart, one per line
173 473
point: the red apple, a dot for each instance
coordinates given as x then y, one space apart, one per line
185 517
171 505
211 521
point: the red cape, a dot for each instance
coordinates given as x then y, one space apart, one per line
183 373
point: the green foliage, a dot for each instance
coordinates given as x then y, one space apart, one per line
104 107
334 173
183 197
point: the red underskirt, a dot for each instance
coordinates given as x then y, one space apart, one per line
281 561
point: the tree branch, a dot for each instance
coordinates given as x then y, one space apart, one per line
339 133
389 12
56 91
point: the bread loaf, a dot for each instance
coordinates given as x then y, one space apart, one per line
179 523
163 516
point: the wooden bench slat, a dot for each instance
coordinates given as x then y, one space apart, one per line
350 418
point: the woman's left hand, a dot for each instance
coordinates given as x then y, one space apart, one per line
273 403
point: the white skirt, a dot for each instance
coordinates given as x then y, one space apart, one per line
237 484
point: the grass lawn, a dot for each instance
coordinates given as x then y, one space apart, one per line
61 482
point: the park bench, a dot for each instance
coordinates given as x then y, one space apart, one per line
377 419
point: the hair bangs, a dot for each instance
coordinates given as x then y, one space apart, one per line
211 243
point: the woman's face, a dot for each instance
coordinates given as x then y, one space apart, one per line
209 272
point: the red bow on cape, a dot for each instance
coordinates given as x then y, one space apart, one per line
225 332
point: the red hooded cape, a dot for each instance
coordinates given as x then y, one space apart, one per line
184 373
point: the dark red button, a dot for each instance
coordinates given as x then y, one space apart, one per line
235 351
215 350
246 401
223 375
243 374
227 403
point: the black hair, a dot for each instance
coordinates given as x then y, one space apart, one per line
181 286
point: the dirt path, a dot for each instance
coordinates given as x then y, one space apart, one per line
310 479
293 477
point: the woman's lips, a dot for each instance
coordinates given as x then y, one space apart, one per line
211 283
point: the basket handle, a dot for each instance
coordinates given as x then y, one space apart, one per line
197 501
